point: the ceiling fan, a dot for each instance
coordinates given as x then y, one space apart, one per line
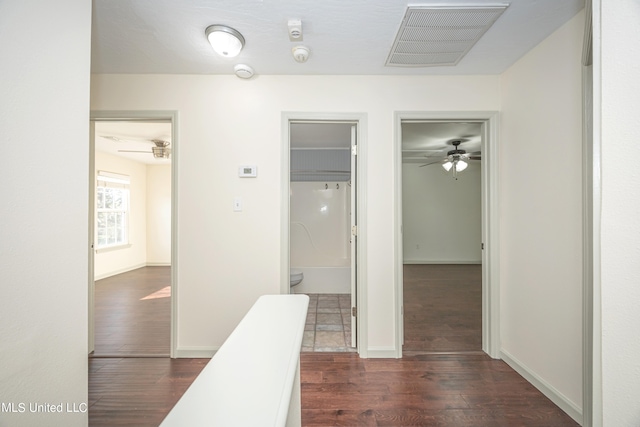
161 149
456 160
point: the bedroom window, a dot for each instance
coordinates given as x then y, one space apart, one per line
112 213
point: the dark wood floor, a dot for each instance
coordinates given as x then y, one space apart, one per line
137 391
427 390
442 307
133 313
340 389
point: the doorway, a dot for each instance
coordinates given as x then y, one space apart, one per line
442 225
132 220
471 246
322 234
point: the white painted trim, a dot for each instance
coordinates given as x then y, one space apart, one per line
382 353
593 317
131 268
173 116
196 352
120 271
490 221
441 261
361 263
564 403
92 232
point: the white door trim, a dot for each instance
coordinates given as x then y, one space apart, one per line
151 115
490 221
360 119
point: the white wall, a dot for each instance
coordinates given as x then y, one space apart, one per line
541 205
227 259
108 262
619 68
158 215
44 181
441 215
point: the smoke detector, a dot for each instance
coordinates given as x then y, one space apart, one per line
243 71
300 53
295 30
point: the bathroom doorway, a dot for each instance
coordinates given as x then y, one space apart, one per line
323 230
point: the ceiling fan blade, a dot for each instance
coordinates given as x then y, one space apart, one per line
133 151
431 162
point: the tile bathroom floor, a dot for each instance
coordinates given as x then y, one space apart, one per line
328 326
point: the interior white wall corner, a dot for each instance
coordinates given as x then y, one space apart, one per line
541 211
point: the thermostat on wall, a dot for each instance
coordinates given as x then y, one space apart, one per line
248 171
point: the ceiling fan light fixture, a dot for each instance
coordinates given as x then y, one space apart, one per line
160 152
224 40
461 165
447 165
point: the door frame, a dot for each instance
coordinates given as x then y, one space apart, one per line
490 220
172 116
360 120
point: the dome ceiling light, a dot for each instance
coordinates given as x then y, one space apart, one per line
225 41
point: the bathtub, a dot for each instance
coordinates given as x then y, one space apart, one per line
324 280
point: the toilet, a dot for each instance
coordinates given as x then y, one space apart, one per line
295 277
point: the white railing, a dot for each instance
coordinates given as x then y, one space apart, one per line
254 378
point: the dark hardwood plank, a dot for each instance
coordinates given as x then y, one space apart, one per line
133 313
427 390
341 389
442 307
137 391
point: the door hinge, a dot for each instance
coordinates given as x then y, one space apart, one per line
354 150
354 230
354 311
482 246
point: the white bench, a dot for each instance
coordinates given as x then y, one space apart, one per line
253 380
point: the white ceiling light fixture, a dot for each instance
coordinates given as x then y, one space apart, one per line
300 53
225 41
456 160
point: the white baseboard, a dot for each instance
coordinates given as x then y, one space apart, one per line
135 267
382 353
441 261
195 352
119 271
547 389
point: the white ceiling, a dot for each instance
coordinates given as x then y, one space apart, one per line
113 136
320 135
344 36
424 141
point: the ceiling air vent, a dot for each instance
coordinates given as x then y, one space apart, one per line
440 36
